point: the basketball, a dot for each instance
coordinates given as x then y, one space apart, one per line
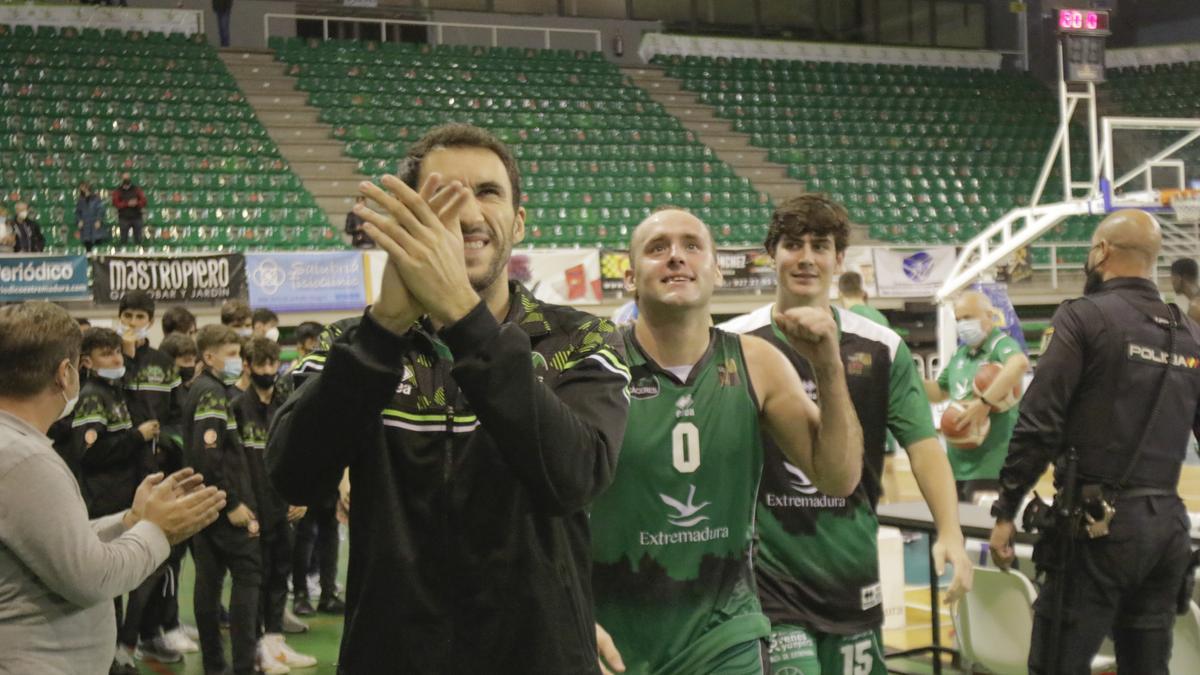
962 438
984 377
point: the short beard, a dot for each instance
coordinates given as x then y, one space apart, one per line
1092 282
497 267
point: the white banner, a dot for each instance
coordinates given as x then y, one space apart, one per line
912 273
858 259
558 276
186 21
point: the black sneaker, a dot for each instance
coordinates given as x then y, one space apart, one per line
156 649
331 604
302 607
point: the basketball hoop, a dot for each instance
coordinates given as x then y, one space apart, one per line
1187 209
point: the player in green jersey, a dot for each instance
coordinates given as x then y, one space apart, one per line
817 561
671 538
977 470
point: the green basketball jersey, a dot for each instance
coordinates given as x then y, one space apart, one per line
671 538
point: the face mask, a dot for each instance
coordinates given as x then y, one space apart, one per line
21 215
263 381
273 335
126 184
186 374
244 332
232 367
141 333
970 331
70 406
111 373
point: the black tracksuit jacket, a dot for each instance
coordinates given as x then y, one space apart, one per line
473 456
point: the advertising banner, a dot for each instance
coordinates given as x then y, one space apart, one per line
746 270
43 277
558 276
290 282
170 278
912 273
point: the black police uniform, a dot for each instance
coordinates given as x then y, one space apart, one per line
1095 391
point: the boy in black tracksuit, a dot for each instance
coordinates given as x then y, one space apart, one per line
151 381
254 409
214 448
112 455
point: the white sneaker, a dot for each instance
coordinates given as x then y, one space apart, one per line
189 631
291 658
267 663
179 642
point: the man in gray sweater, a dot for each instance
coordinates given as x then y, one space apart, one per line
58 571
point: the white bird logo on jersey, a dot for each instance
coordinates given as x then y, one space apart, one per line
800 483
685 515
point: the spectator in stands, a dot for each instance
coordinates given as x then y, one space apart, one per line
58 571
6 235
1185 281
264 323
308 334
130 201
26 233
254 409
223 10
358 238
89 217
178 320
84 325
236 314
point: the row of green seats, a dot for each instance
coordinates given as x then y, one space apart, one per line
54 33
455 104
132 127
454 75
217 113
809 127
795 93
898 106
632 199
395 128
63 179
175 198
594 184
990 116
531 122
160 79
29 161
797 147
291 44
492 96
725 80
92 63
695 152
56 92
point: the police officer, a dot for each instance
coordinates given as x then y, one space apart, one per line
1104 395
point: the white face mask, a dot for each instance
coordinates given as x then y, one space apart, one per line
21 215
232 368
138 333
70 406
111 373
970 331
244 332
273 335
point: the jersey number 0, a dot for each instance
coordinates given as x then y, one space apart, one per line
685 447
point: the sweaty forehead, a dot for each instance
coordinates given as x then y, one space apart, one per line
469 165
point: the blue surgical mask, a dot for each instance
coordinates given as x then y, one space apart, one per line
111 373
232 368
970 332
